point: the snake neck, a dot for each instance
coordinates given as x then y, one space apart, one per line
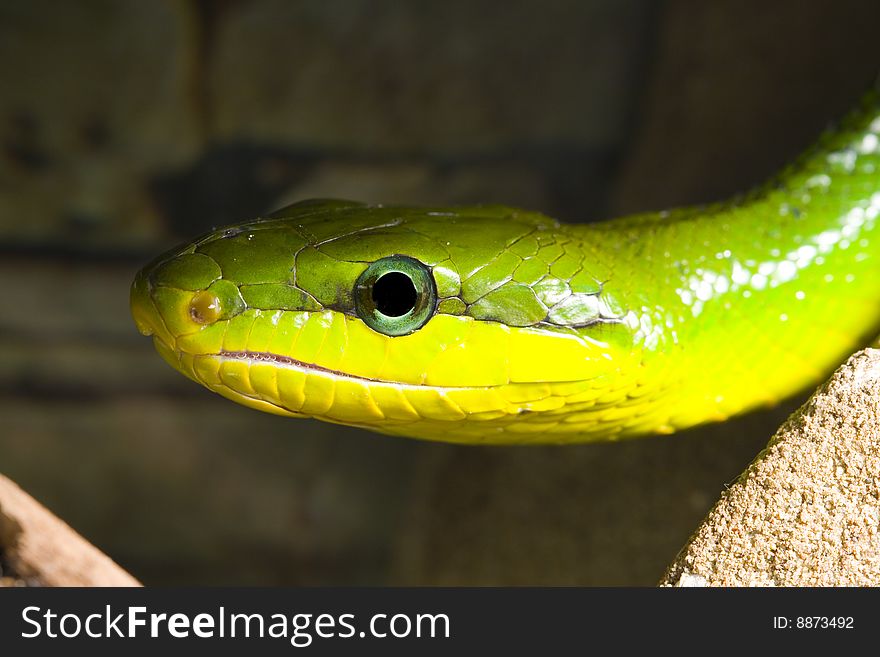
785 278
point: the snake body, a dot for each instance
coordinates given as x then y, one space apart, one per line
497 325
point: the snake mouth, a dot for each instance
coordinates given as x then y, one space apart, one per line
288 386
286 361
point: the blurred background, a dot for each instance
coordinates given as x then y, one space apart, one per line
127 126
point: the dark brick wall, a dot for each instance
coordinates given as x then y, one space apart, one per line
127 125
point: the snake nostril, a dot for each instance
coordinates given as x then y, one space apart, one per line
205 308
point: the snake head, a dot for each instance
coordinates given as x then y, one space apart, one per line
435 323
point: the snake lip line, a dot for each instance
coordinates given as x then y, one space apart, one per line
293 363
267 357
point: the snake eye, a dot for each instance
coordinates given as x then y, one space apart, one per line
395 295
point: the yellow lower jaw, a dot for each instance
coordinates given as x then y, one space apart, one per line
512 413
500 391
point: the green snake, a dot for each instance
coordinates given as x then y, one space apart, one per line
493 325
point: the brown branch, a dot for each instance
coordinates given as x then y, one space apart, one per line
37 548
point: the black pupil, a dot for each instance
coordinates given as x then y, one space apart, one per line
394 294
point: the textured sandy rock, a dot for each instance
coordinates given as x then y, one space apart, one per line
806 511
39 549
